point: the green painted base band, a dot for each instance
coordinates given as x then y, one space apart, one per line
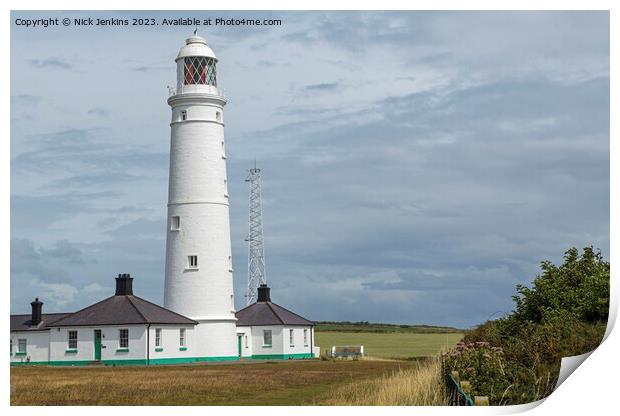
152 361
281 356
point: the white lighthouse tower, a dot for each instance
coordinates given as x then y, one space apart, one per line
199 278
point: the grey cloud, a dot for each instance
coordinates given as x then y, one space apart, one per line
101 112
65 250
24 99
50 63
142 227
330 86
151 68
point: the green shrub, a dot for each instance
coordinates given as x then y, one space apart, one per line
516 359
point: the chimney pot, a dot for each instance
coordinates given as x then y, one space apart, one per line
124 285
37 307
263 293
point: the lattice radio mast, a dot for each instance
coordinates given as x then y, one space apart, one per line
256 250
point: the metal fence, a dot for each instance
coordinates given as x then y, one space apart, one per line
455 393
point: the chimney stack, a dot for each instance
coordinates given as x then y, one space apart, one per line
263 293
124 285
37 307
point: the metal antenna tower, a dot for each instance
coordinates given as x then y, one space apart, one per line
256 250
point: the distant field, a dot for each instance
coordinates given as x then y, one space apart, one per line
390 345
344 326
273 383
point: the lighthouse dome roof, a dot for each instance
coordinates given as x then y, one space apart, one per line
196 46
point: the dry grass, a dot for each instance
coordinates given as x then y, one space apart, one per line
419 385
277 383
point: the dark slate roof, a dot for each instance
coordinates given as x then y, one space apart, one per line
123 310
268 313
22 322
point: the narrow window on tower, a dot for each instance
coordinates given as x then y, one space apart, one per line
223 150
175 223
230 269
218 116
232 302
226 188
192 262
183 115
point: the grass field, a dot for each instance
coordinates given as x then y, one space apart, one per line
390 345
344 326
277 383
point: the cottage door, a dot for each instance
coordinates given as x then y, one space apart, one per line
97 344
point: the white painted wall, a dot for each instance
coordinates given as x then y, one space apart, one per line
198 194
298 346
170 342
277 347
37 346
59 342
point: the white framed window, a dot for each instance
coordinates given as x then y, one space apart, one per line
182 337
192 261
223 150
175 223
158 337
246 340
230 269
291 337
232 302
123 338
266 337
21 345
218 116
72 340
183 115
226 188
305 337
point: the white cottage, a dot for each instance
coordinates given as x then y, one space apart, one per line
127 330
266 330
120 330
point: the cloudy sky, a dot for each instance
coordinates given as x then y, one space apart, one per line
417 165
